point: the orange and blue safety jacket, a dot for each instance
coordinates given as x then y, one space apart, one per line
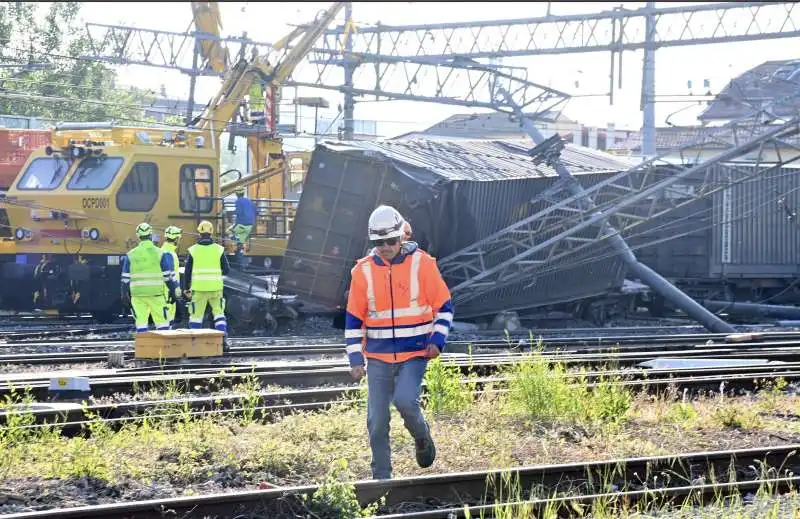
394 310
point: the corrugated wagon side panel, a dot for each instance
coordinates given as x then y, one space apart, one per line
751 235
488 207
676 244
330 231
338 195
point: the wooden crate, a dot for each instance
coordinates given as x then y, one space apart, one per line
173 344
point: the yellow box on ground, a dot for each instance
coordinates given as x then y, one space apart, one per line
175 344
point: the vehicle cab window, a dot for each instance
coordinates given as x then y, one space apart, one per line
43 174
196 188
139 192
95 173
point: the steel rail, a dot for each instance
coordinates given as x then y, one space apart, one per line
642 344
621 358
523 335
288 351
664 333
472 488
724 353
212 377
67 330
146 376
72 419
660 497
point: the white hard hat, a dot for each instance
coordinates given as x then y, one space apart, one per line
385 222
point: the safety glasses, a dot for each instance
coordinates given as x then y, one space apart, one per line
387 241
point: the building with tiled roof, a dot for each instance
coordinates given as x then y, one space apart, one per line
670 140
772 84
502 126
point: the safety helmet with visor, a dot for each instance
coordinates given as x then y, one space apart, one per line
385 226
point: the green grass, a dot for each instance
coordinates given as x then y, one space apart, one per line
540 390
508 500
541 418
445 392
768 505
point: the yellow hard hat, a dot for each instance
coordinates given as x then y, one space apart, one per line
205 227
173 232
143 229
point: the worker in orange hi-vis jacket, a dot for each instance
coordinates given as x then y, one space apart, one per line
399 314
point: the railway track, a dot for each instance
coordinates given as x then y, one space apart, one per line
687 345
601 336
145 377
439 495
742 358
60 331
73 417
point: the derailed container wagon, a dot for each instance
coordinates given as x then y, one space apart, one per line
454 193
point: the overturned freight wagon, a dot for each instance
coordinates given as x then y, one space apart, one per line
739 244
454 193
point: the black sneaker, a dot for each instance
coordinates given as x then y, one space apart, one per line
426 452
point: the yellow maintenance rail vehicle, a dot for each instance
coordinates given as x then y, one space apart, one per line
75 203
73 207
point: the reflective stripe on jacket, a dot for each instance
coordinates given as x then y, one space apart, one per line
206 269
395 310
146 269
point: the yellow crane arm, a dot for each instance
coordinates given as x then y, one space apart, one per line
207 19
296 53
245 72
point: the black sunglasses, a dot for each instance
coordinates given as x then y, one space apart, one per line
387 241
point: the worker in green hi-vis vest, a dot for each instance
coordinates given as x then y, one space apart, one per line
257 103
145 270
206 263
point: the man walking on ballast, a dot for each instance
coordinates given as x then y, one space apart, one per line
399 314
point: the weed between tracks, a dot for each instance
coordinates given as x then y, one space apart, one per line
541 418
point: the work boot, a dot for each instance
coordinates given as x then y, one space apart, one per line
426 451
226 347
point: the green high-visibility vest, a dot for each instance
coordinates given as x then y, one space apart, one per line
145 264
256 98
206 270
169 248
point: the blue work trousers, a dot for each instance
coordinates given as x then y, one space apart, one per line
398 383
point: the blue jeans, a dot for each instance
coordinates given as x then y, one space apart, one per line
399 383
